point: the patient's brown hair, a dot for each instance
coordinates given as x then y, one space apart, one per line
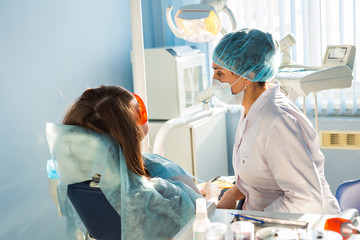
107 110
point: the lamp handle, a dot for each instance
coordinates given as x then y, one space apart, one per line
231 16
170 22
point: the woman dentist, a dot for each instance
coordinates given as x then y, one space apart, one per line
276 157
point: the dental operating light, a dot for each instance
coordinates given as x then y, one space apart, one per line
199 22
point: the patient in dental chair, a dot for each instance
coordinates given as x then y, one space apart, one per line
102 133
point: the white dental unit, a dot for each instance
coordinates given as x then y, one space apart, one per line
181 129
300 80
335 72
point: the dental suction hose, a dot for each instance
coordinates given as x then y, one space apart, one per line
159 142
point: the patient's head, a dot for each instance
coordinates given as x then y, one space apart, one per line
114 111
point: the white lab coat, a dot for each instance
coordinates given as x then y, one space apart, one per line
277 159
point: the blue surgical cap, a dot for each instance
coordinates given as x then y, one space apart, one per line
248 51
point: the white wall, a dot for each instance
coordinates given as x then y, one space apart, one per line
340 165
50 52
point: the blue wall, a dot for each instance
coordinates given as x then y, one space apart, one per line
50 52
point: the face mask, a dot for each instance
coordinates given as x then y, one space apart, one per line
222 90
240 97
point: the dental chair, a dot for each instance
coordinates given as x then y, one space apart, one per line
348 194
78 153
99 217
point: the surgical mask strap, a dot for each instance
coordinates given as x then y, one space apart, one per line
235 81
244 89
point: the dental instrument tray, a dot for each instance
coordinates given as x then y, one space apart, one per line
304 80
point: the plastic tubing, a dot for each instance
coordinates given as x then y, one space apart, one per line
160 138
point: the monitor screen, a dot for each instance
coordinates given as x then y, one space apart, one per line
337 53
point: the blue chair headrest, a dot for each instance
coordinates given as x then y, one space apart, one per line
99 217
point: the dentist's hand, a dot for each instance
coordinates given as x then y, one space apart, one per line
228 200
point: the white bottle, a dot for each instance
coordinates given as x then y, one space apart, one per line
202 222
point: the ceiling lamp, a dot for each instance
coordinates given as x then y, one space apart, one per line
199 22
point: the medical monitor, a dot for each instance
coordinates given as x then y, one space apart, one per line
339 55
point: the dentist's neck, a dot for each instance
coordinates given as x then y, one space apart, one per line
252 93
